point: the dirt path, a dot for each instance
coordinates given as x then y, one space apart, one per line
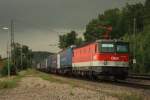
35 88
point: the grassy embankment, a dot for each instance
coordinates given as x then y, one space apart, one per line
51 78
12 82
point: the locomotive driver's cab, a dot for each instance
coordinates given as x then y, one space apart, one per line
113 47
114 57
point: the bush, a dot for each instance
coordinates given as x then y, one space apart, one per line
7 84
142 49
4 70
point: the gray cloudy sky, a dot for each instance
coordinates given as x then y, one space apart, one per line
38 22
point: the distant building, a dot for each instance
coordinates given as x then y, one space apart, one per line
38 56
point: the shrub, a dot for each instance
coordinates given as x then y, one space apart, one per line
4 70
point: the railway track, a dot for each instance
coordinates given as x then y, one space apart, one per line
133 82
136 83
136 76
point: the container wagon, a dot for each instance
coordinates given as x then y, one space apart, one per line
65 61
53 66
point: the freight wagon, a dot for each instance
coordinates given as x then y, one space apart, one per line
65 61
54 63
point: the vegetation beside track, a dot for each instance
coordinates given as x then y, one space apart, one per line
13 81
9 82
75 83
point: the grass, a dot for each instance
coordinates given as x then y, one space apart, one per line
35 73
71 93
48 77
120 96
131 97
125 96
11 82
7 84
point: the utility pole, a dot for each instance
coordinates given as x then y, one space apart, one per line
12 54
134 42
12 38
21 55
8 62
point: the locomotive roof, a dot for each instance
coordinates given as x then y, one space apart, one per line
102 40
109 40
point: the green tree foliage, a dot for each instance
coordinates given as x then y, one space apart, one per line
79 41
120 20
134 11
69 39
147 15
22 56
110 17
4 70
141 40
142 48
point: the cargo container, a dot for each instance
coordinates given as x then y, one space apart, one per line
53 66
58 61
66 60
49 63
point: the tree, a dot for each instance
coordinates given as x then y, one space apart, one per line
79 41
147 14
62 41
120 20
69 39
134 11
22 56
110 17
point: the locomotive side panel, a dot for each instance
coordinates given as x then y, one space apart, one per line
83 56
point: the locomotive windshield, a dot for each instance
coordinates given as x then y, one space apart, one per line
122 48
107 47
114 47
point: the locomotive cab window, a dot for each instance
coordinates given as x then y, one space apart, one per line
122 48
107 47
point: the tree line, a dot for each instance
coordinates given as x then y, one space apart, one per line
131 23
21 58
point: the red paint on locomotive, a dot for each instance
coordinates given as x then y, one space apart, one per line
91 52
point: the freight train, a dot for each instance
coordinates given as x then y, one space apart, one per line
103 57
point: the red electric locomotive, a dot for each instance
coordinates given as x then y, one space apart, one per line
103 57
